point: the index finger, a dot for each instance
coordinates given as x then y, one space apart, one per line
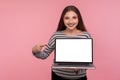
43 45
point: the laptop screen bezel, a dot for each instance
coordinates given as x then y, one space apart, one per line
73 62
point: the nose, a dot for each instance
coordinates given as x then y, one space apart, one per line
70 20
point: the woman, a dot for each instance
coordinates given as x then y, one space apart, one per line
70 26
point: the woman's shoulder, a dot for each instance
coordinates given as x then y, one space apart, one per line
58 33
85 33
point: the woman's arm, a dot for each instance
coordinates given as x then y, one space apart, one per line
43 54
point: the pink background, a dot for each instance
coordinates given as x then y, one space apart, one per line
24 23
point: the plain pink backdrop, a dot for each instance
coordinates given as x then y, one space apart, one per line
24 23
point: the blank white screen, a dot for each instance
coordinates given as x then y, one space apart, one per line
74 50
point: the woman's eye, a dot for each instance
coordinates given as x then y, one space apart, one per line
66 17
74 17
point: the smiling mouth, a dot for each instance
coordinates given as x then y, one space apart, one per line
71 24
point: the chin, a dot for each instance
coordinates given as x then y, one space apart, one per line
71 28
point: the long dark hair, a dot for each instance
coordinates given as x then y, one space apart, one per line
80 25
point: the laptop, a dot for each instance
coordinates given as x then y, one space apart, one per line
73 53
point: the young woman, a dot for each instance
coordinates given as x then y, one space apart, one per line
70 26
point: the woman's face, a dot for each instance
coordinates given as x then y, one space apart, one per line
70 20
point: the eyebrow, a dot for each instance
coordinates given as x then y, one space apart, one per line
72 16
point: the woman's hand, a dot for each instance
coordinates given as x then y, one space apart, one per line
37 48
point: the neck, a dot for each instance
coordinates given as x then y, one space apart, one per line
72 32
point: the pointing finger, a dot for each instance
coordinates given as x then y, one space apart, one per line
43 45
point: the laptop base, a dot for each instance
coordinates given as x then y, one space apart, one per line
90 66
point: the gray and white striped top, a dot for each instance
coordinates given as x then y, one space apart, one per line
66 73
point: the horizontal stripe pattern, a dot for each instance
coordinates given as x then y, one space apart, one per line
66 73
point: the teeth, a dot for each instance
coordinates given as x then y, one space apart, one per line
70 25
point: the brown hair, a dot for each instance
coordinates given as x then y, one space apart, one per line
80 25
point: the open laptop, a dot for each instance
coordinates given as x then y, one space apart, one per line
73 53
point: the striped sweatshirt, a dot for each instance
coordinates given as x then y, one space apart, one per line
65 73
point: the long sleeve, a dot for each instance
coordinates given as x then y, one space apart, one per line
47 50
